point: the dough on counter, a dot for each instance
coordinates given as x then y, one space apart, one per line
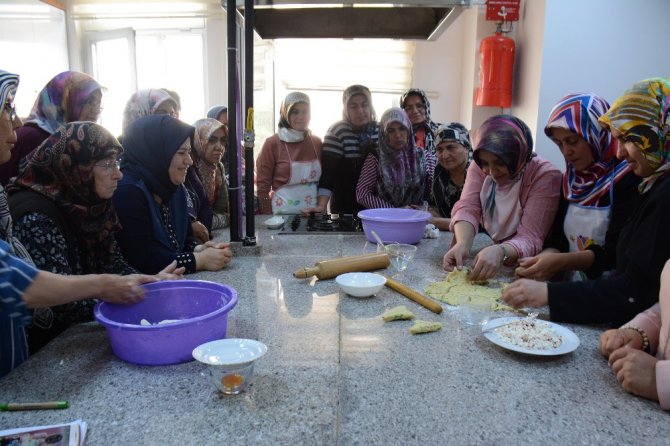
459 290
398 313
420 327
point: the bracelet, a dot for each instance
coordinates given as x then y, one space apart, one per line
645 338
505 256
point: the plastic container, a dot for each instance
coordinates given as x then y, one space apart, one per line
201 309
394 225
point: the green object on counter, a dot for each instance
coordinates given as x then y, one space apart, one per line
5 407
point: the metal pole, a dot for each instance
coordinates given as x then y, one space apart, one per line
233 145
249 137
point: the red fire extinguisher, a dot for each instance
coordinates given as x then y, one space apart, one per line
496 71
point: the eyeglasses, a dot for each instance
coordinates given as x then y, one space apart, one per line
109 165
11 110
213 140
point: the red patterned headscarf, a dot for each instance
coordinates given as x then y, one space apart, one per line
61 169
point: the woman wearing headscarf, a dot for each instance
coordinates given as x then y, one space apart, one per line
398 174
639 120
152 202
209 143
345 148
289 167
453 151
510 192
67 97
598 196
220 113
415 103
62 209
159 101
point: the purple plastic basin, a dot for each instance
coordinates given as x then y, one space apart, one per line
394 225
202 309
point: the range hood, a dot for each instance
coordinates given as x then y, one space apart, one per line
411 19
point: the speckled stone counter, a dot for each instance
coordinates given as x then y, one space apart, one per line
335 373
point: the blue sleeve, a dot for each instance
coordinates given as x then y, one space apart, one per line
137 240
15 276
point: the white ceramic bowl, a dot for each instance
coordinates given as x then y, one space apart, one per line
230 362
360 284
275 222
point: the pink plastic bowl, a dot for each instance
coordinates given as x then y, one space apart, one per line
394 225
202 310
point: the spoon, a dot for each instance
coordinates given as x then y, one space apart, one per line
380 243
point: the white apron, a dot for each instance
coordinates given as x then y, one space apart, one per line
584 226
300 191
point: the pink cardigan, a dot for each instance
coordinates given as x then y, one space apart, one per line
656 322
539 197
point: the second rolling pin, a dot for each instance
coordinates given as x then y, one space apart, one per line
414 295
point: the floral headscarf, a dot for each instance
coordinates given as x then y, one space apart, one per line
642 115
579 114
401 174
150 143
286 132
145 103
508 138
61 169
428 127
209 175
62 100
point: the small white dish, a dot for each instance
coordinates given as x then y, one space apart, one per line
229 351
275 222
569 344
360 284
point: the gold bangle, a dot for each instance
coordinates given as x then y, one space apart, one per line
645 338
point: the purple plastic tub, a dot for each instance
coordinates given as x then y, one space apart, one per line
394 225
202 309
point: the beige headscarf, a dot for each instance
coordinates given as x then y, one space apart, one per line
209 174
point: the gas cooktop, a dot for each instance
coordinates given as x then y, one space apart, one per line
322 224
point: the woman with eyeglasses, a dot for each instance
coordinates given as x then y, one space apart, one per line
159 101
289 165
62 210
210 141
415 103
67 97
152 202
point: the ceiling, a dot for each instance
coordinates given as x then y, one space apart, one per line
413 19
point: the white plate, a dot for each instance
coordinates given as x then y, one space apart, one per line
570 339
229 351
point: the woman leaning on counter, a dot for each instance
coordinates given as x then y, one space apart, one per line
398 173
453 151
598 196
289 167
639 119
152 202
510 192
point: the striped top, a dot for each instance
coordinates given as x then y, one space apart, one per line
366 190
342 160
15 277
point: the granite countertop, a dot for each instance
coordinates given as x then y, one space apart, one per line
335 373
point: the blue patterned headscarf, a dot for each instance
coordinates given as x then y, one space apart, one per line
401 175
579 113
8 84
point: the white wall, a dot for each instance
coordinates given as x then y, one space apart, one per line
603 46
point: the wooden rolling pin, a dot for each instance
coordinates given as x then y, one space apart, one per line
413 295
327 269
